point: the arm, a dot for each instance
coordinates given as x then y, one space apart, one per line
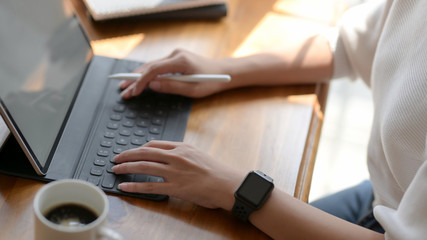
191 175
308 61
300 62
284 217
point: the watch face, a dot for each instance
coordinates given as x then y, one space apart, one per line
254 190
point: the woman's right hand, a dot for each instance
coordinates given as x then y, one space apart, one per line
189 173
180 61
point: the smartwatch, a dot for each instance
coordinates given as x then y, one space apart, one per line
251 194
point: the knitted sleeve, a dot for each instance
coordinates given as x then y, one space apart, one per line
409 220
355 44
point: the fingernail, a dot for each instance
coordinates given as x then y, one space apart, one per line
121 186
125 94
155 85
121 84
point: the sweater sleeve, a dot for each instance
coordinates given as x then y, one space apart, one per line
358 33
409 220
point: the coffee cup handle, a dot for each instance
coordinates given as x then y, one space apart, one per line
109 234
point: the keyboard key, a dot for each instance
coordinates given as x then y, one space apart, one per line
106 143
176 106
147 105
110 168
139 133
103 153
109 134
113 126
155 130
94 180
152 137
145 114
133 105
119 108
116 117
125 132
160 112
128 123
124 178
96 171
119 98
155 179
99 162
140 178
137 141
119 149
131 115
142 123
108 181
157 121
122 141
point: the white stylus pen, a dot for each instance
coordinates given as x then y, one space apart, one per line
177 77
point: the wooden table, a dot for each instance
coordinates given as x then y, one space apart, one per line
275 129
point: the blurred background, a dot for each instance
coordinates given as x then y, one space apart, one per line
341 156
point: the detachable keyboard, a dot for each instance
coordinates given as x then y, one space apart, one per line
126 124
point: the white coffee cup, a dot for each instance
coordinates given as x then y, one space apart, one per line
71 192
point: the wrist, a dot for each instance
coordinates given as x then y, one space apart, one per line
226 199
237 69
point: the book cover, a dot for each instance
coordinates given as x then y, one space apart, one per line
112 9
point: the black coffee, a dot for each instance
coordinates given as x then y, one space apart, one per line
71 215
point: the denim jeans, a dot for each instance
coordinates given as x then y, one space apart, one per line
353 204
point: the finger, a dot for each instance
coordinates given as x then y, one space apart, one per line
166 145
141 167
144 154
146 187
172 87
163 66
125 83
128 92
142 82
129 86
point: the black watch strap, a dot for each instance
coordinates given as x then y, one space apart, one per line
241 211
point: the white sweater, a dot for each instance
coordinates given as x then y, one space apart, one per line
385 44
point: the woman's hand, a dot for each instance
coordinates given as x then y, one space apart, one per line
180 61
188 174
309 61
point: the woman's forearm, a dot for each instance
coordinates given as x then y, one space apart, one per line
284 217
309 61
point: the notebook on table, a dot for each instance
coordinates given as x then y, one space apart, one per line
66 117
156 9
